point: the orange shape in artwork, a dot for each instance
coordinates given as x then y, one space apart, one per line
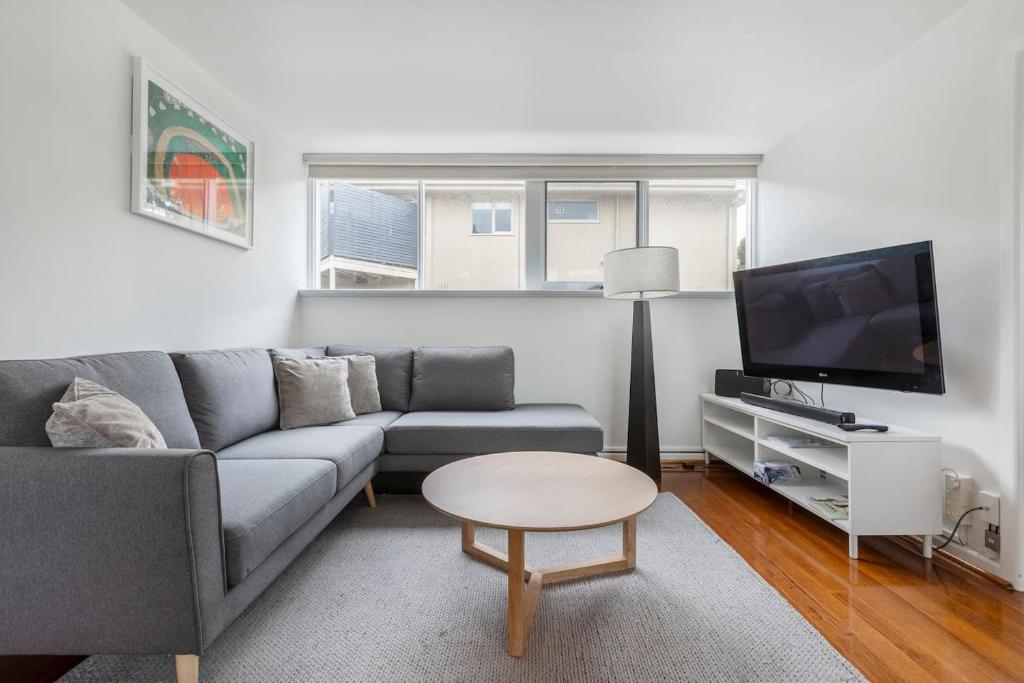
198 188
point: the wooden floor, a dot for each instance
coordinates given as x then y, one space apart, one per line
895 615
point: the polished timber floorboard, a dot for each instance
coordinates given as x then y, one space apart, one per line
893 614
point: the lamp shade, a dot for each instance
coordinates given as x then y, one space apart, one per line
641 273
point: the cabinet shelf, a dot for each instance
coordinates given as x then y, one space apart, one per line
832 461
892 480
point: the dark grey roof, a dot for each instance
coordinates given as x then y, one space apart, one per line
368 225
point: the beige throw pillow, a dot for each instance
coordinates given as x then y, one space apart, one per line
362 383
89 415
313 391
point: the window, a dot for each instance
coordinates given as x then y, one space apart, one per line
592 219
467 223
492 218
455 257
708 221
574 210
368 234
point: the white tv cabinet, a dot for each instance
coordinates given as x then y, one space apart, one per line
893 479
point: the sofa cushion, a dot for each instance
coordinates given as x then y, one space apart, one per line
29 388
299 353
362 383
263 502
89 415
381 419
527 427
394 371
463 378
230 393
349 448
312 391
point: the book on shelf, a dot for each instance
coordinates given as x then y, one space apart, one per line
833 508
768 472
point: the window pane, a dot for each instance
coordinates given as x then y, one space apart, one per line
602 219
708 222
586 211
456 257
482 217
369 237
503 217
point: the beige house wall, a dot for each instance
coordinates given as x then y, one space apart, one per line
575 250
456 258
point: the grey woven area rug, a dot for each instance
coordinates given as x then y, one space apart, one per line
387 595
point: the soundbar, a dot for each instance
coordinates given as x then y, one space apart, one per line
832 417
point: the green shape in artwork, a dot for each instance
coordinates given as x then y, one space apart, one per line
195 169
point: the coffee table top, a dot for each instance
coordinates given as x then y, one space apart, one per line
539 491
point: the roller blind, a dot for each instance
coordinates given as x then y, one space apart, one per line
530 166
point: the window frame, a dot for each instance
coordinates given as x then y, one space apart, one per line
537 172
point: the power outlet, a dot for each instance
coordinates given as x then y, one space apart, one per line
990 501
958 497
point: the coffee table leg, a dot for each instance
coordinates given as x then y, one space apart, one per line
516 593
629 542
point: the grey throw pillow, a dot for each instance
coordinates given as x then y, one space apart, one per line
362 383
312 391
89 415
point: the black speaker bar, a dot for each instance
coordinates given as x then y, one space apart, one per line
832 417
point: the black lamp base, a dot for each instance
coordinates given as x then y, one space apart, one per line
643 450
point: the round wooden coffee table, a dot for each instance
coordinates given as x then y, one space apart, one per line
535 491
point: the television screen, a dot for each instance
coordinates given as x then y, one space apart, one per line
869 319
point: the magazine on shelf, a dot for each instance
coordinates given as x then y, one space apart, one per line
833 508
775 472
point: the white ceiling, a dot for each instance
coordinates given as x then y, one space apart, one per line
649 76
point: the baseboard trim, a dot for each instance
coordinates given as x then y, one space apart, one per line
913 543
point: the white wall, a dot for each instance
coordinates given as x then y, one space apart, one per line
78 272
573 350
915 152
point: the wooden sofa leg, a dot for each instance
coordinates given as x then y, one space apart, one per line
187 668
368 490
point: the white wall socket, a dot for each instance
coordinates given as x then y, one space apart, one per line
958 498
991 501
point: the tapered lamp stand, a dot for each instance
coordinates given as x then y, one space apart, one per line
642 273
643 450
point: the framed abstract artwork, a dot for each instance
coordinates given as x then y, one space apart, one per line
189 167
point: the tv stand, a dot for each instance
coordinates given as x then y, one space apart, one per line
893 479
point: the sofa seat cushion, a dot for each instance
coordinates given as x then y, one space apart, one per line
527 427
382 419
263 502
350 448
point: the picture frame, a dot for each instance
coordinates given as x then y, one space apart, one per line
190 168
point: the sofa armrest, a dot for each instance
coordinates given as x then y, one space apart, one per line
109 551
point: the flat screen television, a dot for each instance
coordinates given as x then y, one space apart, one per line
867 319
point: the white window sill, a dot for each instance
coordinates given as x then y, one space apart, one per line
494 294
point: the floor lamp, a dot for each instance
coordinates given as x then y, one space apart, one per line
641 274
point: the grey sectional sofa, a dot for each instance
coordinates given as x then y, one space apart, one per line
157 551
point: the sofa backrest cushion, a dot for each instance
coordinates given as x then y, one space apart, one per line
394 371
299 353
230 393
463 378
29 388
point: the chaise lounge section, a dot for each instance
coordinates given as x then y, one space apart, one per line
156 551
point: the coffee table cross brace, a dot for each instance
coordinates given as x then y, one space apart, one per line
525 581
